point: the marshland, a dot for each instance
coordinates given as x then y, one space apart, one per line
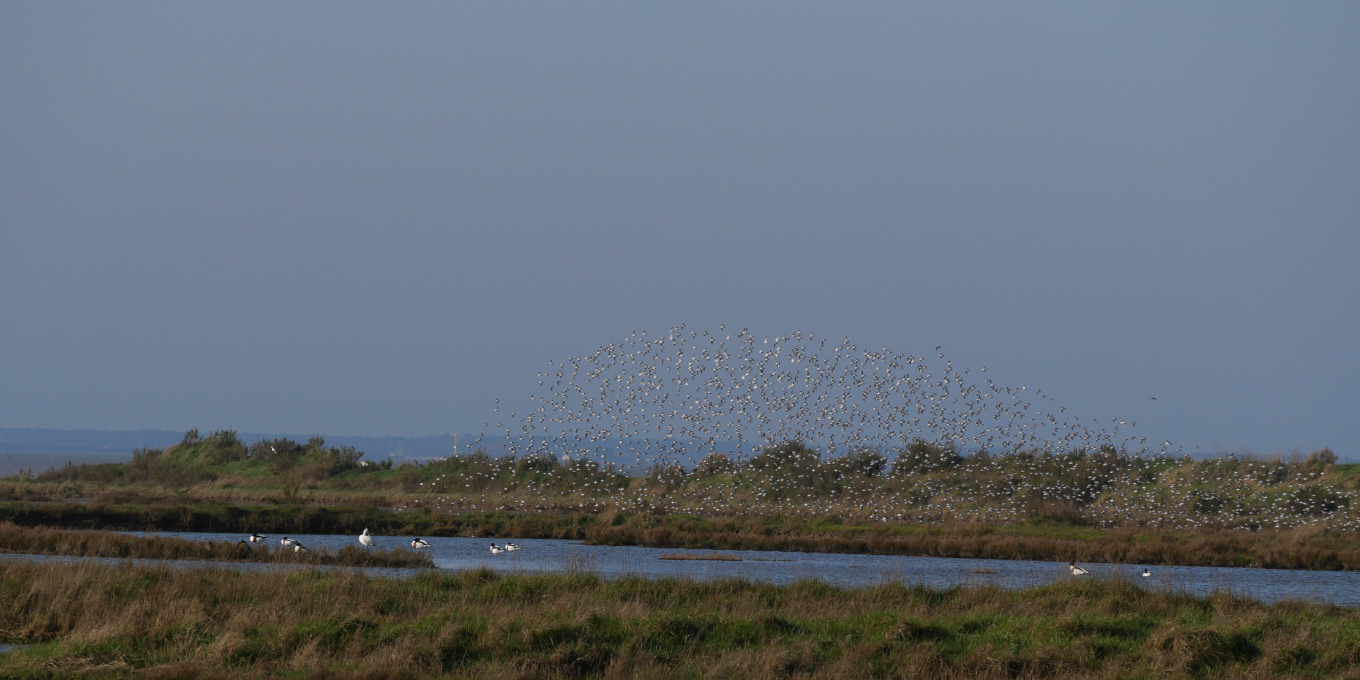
1292 512
305 614
92 620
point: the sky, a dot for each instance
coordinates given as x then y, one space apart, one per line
375 219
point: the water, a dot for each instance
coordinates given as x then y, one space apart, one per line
783 568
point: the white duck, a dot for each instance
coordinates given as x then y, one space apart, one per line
1077 571
496 550
420 543
1146 573
287 542
365 539
511 547
257 538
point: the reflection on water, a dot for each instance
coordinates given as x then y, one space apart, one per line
782 568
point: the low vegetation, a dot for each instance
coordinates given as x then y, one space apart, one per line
1284 512
44 541
88 620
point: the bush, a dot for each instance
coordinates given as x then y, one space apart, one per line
863 463
790 468
921 457
714 464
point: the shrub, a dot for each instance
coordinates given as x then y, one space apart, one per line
714 464
922 456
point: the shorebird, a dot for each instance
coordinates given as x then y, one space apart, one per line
365 539
420 543
496 550
1077 571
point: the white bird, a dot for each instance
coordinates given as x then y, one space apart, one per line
1146 573
366 539
298 547
1077 571
420 543
286 542
257 538
496 550
511 547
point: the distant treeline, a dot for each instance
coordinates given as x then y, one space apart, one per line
124 441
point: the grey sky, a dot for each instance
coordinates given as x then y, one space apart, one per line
374 219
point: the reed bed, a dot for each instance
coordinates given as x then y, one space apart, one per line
89 620
47 541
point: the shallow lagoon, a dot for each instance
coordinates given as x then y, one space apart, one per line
782 568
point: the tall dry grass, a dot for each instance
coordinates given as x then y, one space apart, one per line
100 621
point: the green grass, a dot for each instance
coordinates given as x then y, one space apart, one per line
95 621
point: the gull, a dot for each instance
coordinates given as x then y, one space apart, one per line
420 543
365 539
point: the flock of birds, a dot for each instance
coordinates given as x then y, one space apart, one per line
688 391
686 400
366 540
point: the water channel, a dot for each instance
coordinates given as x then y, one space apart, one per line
782 568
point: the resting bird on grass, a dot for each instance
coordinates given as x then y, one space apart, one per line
1077 571
365 539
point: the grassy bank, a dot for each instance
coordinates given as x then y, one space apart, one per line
1298 548
920 483
295 519
75 543
94 621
